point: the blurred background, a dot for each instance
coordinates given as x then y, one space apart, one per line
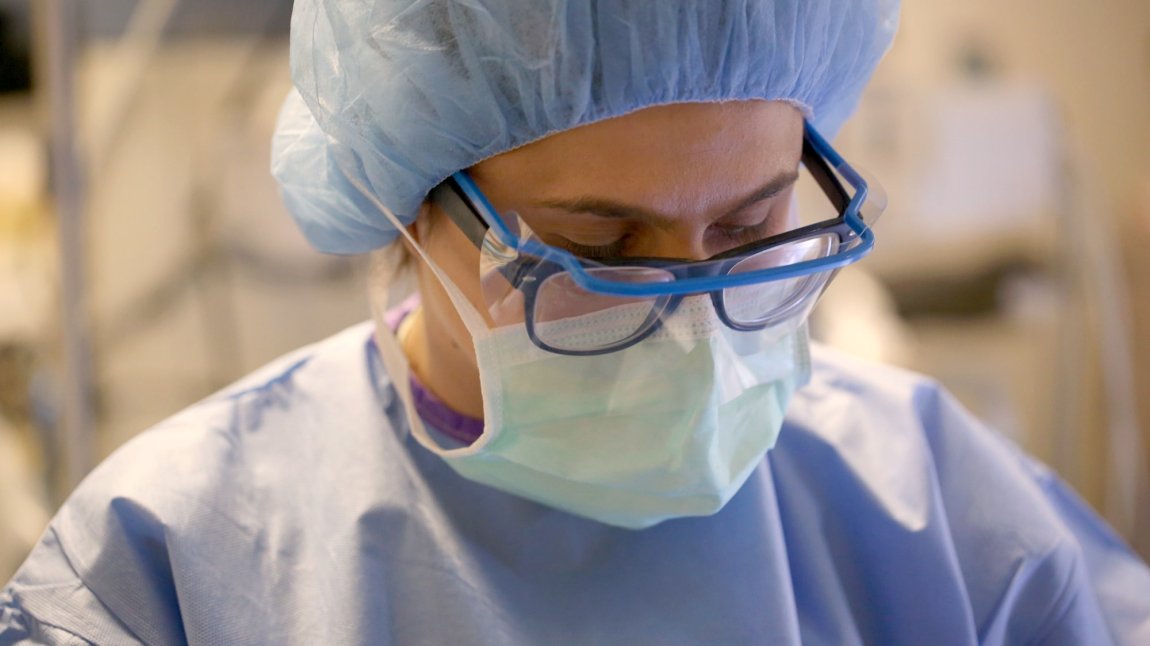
145 259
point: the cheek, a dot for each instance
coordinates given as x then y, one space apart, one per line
794 215
459 259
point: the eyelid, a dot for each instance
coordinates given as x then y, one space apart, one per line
777 208
610 250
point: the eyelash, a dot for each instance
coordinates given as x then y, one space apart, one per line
613 250
744 235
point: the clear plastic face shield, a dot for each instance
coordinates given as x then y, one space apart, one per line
578 306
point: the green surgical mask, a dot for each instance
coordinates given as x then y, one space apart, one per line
669 427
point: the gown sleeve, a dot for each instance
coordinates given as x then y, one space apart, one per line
1114 583
48 603
1083 586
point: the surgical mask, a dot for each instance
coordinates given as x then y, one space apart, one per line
669 427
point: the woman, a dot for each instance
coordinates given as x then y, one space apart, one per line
574 431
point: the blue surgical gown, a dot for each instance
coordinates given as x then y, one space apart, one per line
295 508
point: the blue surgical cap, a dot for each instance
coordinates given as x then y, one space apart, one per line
393 96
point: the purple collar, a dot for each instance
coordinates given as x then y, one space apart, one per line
442 418
431 409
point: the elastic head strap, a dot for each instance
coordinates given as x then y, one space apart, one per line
471 318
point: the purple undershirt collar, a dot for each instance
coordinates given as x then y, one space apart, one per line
431 409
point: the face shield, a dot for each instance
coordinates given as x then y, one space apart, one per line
578 306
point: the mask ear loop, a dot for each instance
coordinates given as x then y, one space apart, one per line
394 359
467 312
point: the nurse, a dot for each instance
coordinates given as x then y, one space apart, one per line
598 417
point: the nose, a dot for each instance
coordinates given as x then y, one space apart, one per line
683 243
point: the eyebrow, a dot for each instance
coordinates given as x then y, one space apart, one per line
611 209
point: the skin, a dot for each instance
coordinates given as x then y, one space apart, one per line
681 181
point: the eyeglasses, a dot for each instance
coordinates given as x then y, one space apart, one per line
579 306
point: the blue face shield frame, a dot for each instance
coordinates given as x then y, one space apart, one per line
531 262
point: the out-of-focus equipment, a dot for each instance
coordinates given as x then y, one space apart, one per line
160 122
75 444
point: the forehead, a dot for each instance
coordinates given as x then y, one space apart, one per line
677 156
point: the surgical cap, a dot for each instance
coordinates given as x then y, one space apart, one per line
393 96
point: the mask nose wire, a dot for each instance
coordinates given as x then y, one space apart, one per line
471 317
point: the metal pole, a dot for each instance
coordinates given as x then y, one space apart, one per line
59 45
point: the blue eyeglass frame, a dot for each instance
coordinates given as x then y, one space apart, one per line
462 200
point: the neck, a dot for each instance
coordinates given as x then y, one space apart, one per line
442 358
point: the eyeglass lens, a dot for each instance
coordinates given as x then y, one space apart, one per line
570 318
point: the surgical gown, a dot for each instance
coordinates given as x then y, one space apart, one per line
294 508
